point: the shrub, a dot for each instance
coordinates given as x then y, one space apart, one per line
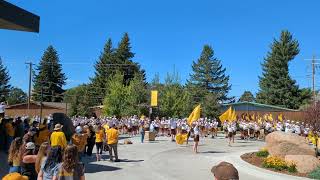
274 162
292 168
315 174
262 153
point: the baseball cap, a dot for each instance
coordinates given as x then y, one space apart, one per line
225 171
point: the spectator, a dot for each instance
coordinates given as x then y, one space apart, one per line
26 125
14 176
112 141
42 155
70 168
28 161
10 133
14 156
42 134
19 131
225 171
80 140
2 109
50 165
58 138
29 136
90 140
99 141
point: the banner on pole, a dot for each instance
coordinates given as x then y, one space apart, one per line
154 98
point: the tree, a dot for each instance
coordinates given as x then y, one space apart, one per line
80 100
172 96
208 81
312 118
136 99
49 78
4 81
208 74
247 96
16 96
115 100
103 70
123 56
276 85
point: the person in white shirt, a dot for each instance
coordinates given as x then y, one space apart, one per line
2 109
230 132
173 129
196 132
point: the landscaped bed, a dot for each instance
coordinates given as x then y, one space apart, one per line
260 160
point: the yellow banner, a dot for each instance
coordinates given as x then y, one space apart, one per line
154 98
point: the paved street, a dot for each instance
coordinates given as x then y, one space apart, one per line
165 160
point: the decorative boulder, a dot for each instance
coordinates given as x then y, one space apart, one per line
304 163
281 144
286 148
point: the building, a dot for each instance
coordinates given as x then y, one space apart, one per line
261 109
35 108
15 18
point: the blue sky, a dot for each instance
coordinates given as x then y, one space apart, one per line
165 34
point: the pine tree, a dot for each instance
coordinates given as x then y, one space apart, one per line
208 81
4 81
276 85
124 57
247 96
49 77
103 70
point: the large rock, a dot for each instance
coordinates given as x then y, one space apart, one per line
281 144
279 137
286 148
304 163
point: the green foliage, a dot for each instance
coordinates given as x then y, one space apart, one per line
4 81
262 153
80 100
247 96
112 61
276 85
50 77
125 100
208 81
172 97
16 96
292 168
315 174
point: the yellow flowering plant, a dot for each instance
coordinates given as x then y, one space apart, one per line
275 162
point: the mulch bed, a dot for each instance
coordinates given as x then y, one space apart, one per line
257 161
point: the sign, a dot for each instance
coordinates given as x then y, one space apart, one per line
154 98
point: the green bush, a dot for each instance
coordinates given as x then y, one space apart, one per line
262 153
315 174
292 168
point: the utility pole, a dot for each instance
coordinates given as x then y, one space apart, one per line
29 91
314 78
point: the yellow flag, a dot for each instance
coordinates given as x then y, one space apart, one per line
253 117
195 115
233 116
270 118
181 138
226 115
280 117
154 98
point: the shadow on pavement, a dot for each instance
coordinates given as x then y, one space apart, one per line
212 152
127 160
95 168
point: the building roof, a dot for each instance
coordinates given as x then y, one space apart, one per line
57 105
15 18
263 106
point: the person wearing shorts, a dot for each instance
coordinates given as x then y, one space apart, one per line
99 141
196 138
